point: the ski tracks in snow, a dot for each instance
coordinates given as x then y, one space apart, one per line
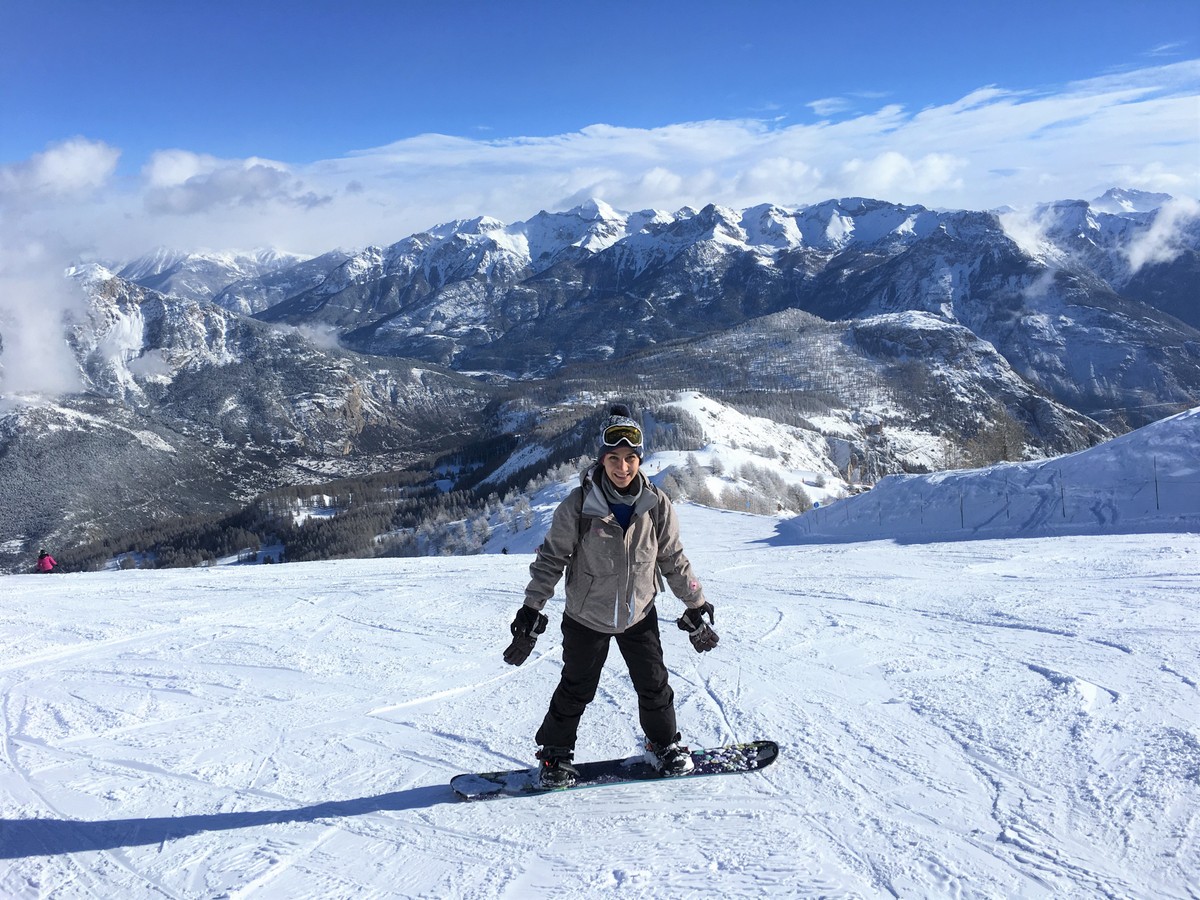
959 728
990 720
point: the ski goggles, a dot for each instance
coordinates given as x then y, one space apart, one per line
623 434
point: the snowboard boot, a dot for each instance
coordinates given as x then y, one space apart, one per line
670 759
556 770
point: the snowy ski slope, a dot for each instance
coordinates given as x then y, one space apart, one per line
995 718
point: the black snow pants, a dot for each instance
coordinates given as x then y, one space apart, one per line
584 653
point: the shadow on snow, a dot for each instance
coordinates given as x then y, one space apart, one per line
48 837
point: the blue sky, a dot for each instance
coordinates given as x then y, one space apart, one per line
320 124
303 81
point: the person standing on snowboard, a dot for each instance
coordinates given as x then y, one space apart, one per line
612 535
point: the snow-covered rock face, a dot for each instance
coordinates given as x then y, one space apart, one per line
1113 237
135 343
253 294
221 407
133 336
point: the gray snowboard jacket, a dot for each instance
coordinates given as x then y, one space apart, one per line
612 573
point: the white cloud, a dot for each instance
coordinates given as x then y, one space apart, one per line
990 148
1171 48
892 175
1026 231
775 178
183 183
1153 177
170 168
68 168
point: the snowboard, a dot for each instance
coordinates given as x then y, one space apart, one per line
747 757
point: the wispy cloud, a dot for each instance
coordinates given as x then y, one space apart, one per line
1172 48
35 304
38 199
1163 241
830 106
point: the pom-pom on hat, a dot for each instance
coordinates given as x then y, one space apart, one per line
621 429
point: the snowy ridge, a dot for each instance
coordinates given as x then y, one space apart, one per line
930 322
1123 200
732 440
484 245
1147 480
201 275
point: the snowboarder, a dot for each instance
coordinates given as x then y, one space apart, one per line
613 535
45 562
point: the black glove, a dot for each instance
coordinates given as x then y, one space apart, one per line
700 633
525 628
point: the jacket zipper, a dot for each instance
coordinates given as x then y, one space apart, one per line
629 598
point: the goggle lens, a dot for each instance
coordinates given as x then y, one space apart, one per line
622 434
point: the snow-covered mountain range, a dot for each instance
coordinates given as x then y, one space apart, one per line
886 324
1072 295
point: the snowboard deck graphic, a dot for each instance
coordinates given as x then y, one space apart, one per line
727 760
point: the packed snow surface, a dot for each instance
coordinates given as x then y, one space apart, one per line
989 718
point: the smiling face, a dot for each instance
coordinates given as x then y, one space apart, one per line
621 465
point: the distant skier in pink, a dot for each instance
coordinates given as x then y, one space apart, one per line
45 562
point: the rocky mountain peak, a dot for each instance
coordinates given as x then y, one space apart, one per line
1125 200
